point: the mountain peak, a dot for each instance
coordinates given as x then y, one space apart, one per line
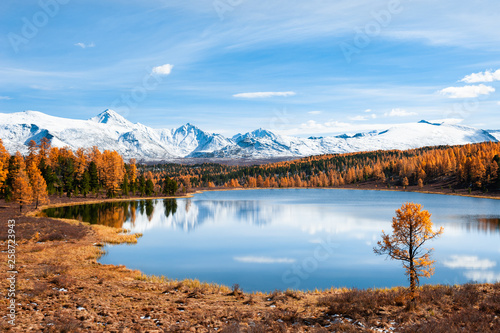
429 123
110 117
261 133
188 127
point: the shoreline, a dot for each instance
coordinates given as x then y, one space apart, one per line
84 201
62 286
35 213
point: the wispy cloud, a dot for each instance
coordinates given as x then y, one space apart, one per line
5 97
399 113
368 110
84 46
469 262
319 112
358 118
264 260
265 94
486 76
467 91
163 70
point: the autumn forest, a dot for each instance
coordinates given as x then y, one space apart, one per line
50 170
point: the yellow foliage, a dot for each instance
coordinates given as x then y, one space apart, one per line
411 228
22 192
38 185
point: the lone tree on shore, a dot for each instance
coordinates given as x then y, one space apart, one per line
411 228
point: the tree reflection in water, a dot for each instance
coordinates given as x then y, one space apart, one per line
170 206
195 213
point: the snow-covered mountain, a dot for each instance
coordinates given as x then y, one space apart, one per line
109 130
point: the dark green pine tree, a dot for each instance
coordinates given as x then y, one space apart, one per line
133 187
68 175
49 176
93 177
142 185
85 183
125 187
149 187
169 186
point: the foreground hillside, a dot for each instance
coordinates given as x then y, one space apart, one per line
62 288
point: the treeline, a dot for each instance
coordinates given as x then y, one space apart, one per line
50 170
472 166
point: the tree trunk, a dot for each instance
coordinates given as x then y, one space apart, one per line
413 282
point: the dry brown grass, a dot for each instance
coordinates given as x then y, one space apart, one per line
110 235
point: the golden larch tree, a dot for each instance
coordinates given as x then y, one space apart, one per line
132 176
38 185
4 164
112 172
411 229
32 153
22 192
80 163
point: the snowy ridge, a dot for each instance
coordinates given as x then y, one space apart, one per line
111 131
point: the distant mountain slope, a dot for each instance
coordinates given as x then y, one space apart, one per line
109 130
495 134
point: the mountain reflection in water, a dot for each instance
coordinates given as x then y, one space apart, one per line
187 215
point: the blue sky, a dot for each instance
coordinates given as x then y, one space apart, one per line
229 66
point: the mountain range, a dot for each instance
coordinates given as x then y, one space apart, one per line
109 130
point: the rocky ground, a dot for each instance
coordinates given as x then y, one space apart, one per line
61 287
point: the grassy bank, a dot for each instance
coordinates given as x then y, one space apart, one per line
61 287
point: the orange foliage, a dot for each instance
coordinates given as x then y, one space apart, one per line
411 228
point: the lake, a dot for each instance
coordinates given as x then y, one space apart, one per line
296 238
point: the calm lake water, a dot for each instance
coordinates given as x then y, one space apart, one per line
296 238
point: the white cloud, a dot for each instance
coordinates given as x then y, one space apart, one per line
264 260
498 103
399 113
319 112
374 116
358 118
265 94
469 262
83 45
482 276
486 76
467 91
5 97
163 70
368 110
